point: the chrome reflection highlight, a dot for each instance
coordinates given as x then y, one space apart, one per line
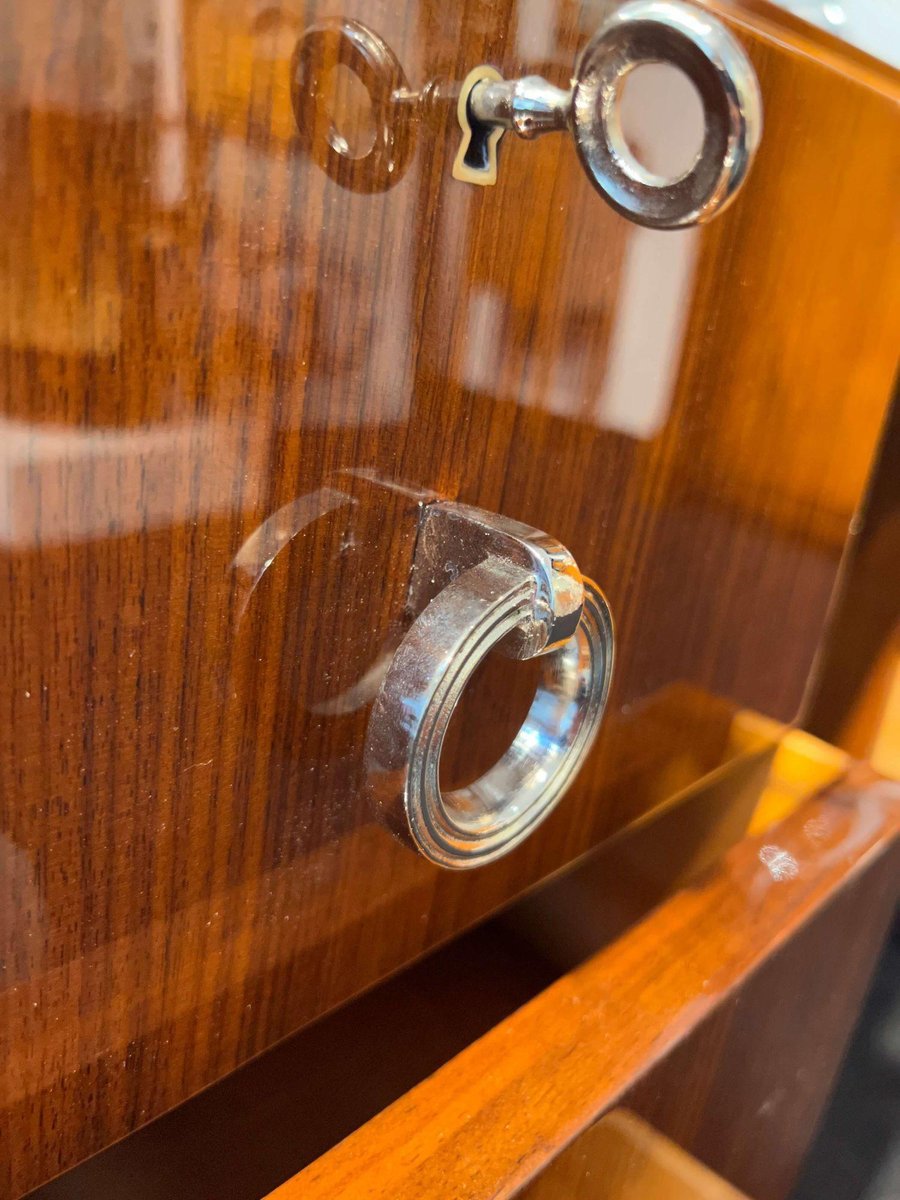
261 548
511 588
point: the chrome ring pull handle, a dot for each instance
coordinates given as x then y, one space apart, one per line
508 587
643 31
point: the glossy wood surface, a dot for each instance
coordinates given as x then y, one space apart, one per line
201 331
273 1116
855 702
698 1019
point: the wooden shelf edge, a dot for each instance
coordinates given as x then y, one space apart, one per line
488 1120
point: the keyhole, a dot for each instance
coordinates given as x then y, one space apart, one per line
478 151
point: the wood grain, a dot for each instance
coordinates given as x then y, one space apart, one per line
201 330
274 1115
698 1019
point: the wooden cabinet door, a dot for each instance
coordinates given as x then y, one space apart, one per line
205 335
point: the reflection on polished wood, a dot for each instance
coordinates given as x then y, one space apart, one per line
264 1122
697 1019
200 330
855 701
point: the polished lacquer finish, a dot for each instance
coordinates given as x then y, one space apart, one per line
215 355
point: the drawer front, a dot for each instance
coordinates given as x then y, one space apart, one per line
227 377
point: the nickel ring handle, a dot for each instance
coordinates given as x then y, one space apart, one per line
643 31
524 595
